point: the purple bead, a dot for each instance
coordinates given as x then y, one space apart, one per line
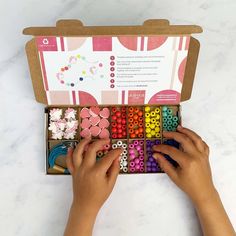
149 169
149 154
149 149
151 159
154 164
148 142
154 169
152 143
157 141
149 164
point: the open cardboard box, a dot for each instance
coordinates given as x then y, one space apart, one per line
158 58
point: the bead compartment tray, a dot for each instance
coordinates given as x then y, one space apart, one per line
133 161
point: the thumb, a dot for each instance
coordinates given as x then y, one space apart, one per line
166 166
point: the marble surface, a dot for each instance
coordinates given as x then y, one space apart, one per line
34 204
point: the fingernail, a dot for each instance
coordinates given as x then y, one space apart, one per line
179 127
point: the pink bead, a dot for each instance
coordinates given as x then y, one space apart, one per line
141 169
141 157
132 164
141 163
131 145
131 151
137 167
138 148
132 156
132 170
141 142
136 161
141 152
135 142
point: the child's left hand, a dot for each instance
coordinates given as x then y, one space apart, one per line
92 181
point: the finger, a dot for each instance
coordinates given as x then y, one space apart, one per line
206 149
173 152
78 152
106 162
69 160
113 171
93 148
184 140
166 166
196 139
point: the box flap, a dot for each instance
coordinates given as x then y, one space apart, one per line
76 64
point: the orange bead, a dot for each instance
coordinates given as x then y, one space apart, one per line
140 119
140 129
135 117
140 124
140 135
131 109
136 109
131 114
132 135
131 120
136 131
131 126
140 113
131 131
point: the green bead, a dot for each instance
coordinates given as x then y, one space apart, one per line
169 128
169 117
169 122
169 111
164 120
175 124
164 125
164 108
175 118
173 129
164 114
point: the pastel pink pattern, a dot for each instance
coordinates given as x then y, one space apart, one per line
104 133
84 113
85 133
95 131
85 124
105 112
94 120
104 123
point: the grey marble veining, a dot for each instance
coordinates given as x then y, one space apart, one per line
36 205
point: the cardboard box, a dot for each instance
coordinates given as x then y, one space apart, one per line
153 64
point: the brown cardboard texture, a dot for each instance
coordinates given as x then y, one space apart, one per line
152 27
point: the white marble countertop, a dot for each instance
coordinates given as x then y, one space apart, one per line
33 204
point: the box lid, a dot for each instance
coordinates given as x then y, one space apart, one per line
153 63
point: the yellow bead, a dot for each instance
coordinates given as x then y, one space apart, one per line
157 117
153 113
148 130
157 110
147 125
147 109
148 135
157 135
153 133
152 126
157 129
153 120
147 114
147 120
157 123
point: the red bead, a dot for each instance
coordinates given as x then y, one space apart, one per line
114 136
118 113
123 109
119 131
119 126
114 130
114 117
113 109
124 127
118 120
124 133
113 124
123 122
119 135
123 115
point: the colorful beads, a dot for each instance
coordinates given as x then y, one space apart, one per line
135 122
151 164
170 119
136 156
101 153
124 155
118 122
152 122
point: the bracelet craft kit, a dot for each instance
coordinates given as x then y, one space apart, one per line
125 83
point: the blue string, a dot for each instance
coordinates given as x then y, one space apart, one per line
56 151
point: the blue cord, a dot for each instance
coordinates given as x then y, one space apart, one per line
59 150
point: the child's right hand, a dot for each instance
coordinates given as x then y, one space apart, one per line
193 175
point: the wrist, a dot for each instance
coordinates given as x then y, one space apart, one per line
82 212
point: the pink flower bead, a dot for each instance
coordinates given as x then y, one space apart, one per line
138 148
131 151
136 161
137 167
132 164
132 156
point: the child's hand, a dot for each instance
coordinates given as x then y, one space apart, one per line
193 175
92 183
